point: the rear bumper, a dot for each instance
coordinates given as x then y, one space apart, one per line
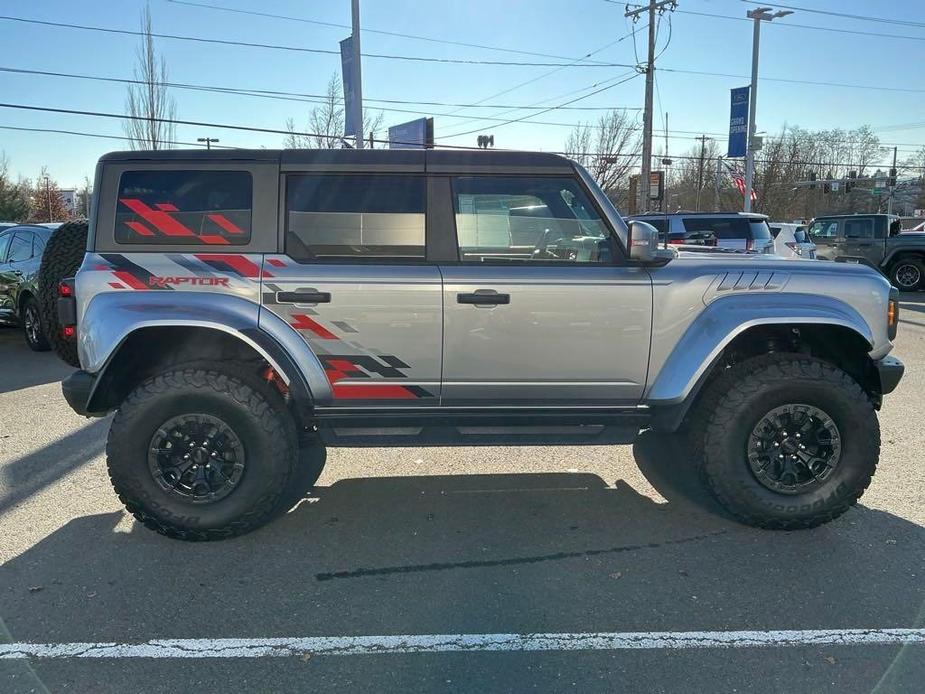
77 389
891 371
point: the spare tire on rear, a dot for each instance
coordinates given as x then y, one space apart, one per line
63 255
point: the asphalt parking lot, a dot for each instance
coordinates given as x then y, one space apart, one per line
491 543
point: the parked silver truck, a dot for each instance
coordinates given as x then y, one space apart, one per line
241 310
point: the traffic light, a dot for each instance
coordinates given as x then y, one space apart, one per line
852 180
892 180
486 141
812 180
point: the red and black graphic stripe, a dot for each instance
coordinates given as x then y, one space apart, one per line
132 275
340 366
158 221
232 263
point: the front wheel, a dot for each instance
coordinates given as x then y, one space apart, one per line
790 442
201 454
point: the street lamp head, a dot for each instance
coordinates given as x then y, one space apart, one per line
782 13
766 14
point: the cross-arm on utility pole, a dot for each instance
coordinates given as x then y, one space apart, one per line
651 8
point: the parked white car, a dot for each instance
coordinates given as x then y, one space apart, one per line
792 241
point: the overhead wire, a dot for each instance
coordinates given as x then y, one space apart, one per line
299 49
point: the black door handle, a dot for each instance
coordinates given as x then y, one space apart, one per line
303 297
481 298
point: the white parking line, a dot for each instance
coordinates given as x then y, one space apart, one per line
457 643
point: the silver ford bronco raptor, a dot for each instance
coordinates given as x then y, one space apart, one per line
242 310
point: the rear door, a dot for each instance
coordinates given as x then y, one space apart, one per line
858 239
355 281
18 270
543 313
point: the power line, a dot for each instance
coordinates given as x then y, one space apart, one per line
299 49
544 75
626 78
791 25
121 138
832 13
415 37
310 99
273 131
319 98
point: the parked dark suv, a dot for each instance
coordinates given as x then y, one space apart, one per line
875 240
20 256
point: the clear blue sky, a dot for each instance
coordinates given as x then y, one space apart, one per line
570 29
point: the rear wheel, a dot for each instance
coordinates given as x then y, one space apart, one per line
32 326
906 274
202 454
789 442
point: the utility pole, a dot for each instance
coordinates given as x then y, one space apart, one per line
48 197
759 14
207 140
650 81
703 152
719 172
892 181
357 73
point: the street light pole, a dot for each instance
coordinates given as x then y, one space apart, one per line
760 14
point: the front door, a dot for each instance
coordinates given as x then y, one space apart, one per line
354 283
824 233
537 312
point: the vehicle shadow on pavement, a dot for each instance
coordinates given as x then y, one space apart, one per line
32 368
29 474
558 552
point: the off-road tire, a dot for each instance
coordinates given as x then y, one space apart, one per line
904 268
38 342
63 255
736 401
255 414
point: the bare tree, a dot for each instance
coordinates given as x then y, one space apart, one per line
609 150
15 201
325 127
149 103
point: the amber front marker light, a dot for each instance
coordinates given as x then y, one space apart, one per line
892 314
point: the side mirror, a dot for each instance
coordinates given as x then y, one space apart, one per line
643 242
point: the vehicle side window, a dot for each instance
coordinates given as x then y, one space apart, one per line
735 228
184 207
4 245
859 228
38 245
524 219
824 230
20 247
355 217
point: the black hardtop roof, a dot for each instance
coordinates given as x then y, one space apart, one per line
856 215
463 158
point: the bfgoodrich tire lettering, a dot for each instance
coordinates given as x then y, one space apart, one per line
747 392
257 417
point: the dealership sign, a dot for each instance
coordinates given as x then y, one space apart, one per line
738 122
415 134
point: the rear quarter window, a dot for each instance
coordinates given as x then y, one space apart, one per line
210 208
